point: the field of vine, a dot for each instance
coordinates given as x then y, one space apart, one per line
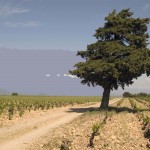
146 98
10 105
125 125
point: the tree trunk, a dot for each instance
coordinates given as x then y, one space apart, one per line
105 98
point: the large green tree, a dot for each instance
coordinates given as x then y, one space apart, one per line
119 55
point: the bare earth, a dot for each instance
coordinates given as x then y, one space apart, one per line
122 131
20 133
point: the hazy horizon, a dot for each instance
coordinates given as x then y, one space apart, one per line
46 72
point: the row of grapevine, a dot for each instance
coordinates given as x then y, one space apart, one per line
144 98
145 120
145 102
11 105
119 103
97 127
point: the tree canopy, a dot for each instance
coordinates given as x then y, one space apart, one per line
119 55
127 94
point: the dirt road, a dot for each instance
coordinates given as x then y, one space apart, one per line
22 133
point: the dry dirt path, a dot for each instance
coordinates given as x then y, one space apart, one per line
22 133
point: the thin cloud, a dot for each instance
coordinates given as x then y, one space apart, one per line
48 75
71 76
58 75
23 24
9 10
30 0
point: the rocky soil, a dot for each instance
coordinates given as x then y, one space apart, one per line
72 128
122 131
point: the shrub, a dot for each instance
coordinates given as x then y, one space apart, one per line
14 94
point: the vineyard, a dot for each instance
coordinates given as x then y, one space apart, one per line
10 105
126 125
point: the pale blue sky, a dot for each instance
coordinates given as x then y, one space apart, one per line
54 25
58 24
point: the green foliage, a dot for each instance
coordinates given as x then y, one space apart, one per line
95 128
11 109
134 106
127 94
20 104
119 55
14 94
142 94
143 102
146 121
